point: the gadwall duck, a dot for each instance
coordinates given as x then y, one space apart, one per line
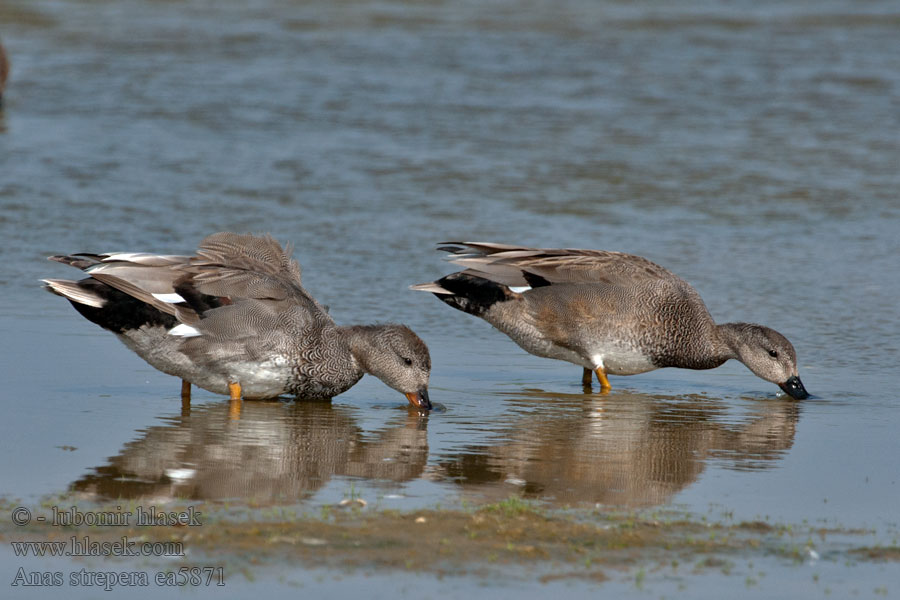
235 319
609 312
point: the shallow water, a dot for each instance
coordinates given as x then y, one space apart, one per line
751 148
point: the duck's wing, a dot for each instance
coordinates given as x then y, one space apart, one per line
244 266
256 284
535 267
229 272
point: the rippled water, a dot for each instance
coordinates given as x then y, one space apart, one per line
752 148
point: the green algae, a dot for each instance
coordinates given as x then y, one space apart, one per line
512 533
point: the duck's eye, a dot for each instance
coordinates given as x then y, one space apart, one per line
408 361
773 353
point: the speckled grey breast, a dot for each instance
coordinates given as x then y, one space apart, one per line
323 367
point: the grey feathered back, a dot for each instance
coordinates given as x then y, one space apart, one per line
507 264
259 272
231 264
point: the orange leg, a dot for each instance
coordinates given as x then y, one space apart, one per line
234 409
604 382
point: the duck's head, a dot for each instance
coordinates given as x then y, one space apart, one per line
398 357
769 355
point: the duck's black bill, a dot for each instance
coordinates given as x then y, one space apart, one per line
794 388
420 399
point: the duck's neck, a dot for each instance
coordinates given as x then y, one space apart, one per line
729 339
360 341
330 366
713 348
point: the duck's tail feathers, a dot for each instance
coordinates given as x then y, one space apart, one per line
431 286
468 293
108 307
74 292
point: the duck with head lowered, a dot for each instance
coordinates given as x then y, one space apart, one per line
608 312
235 319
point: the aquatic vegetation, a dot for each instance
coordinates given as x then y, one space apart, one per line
556 544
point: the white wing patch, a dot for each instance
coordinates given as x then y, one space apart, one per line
519 289
183 330
180 474
169 298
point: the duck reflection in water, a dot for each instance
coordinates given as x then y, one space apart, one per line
276 452
626 450
631 450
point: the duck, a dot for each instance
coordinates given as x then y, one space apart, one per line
235 319
609 312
